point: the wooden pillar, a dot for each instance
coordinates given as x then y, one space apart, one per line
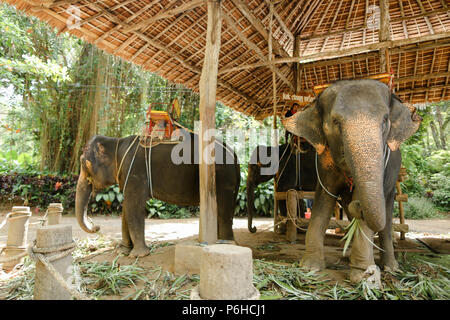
384 35
297 66
400 209
208 85
291 223
274 124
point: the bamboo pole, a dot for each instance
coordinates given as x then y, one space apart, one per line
384 35
208 86
400 209
274 124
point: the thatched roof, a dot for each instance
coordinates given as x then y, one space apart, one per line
337 40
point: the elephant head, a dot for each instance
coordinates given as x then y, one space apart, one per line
96 173
350 124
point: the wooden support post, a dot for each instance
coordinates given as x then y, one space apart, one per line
291 223
384 35
297 66
400 209
274 124
208 85
337 216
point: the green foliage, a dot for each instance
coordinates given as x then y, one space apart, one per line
441 194
420 208
162 210
38 189
108 201
263 197
101 279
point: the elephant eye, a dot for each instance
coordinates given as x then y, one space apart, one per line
336 122
385 122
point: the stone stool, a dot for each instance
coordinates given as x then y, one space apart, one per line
226 273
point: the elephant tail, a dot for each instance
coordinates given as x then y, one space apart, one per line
251 196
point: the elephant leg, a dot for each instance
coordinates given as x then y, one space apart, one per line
126 245
388 260
323 206
225 211
362 252
134 209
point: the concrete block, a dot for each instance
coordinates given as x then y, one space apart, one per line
187 257
46 286
226 273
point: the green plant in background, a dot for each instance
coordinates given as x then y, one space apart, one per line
263 197
108 201
420 208
163 210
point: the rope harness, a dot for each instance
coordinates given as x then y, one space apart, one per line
38 254
386 156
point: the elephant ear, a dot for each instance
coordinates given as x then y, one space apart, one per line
307 124
100 153
404 123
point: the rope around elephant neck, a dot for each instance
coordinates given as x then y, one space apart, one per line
131 166
320 181
386 156
284 167
148 166
123 158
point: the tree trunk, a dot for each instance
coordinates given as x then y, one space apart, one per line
435 134
441 127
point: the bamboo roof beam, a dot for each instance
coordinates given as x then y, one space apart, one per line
257 24
280 21
96 16
446 82
402 12
361 28
305 19
169 27
252 46
53 4
431 70
427 21
163 14
344 52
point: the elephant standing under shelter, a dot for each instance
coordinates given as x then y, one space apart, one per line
295 171
106 161
356 127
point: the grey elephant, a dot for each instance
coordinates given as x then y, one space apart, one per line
286 175
356 127
107 160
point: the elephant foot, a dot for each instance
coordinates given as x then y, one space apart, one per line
390 265
371 275
312 262
139 252
123 248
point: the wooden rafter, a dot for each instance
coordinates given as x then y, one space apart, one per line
253 47
166 14
342 53
257 24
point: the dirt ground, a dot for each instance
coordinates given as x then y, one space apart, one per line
425 236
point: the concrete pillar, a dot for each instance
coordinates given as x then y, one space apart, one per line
16 244
54 213
46 286
226 273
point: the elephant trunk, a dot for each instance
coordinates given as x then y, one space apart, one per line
83 193
251 196
364 156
